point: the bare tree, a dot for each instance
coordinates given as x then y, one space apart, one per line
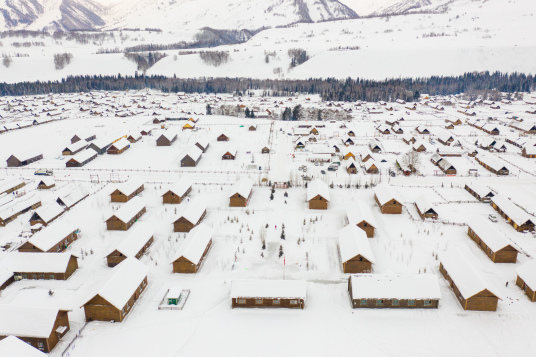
412 159
6 61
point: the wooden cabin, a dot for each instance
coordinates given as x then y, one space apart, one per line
146 131
203 144
265 150
191 216
380 291
223 137
388 199
83 137
82 158
193 250
178 192
72 149
134 137
253 127
69 199
23 159
351 167
127 215
118 295
39 327
479 191
119 147
55 238
241 192
268 294
526 279
370 167
515 216
191 157
529 151
8 186
166 139
134 245
356 254
318 194
425 209
20 206
127 191
100 146
358 214
42 266
229 154
492 242
44 215
492 164
469 286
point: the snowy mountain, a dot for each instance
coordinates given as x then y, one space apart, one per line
167 15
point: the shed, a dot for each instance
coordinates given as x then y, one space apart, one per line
127 215
193 250
318 194
191 216
388 199
229 154
268 293
356 255
241 192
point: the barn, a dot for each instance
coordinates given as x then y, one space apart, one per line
380 291
193 250
178 192
119 147
470 288
318 194
191 216
268 293
358 214
46 214
388 199
72 149
480 192
166 138
241 192
191 157
41 266
55 238
425 208
514 215
127 191
116 298
134 245
82 158
23 158
127 215
492 242
354 247
526 279
39 327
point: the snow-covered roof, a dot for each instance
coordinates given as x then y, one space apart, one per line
35 262
479 189
194 152
121 144
385 192
494 239
269 289
203 141
358 212
180 187
49 211
368 164
515 213
8 184
18 205
527 272
75 195
12 346
129 187
27 154
76 146
136 239
530 149
464 274
445 164
135 135
47 181
418 143
168 134
444 135
101 143
401 287
130 209
493 162
243 187
5 275
26 321
353 241
193 211
123 282
52 235
424 205
195 244
318 187
449 150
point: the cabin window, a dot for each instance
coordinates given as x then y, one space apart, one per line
24 276
276 302
411 302
379 302
293 302
258 301
363 302
427 303
41 345
241 301
34 276
394 202
42 276
396 302
51 277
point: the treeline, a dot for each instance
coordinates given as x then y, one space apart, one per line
144 60
472 84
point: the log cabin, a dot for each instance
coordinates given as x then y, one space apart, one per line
127 191
493 243
425 209
134 137
44 215
379 291
375 146
253 127
356 254
358 214
447 167
471 289
268 294
191 156
265 150
193 250
526 279
480 192
117 296
39 327
241 192
134 245
178 192
127 215
55 238
41 266
100 146
371 167
23 158
529 151
191 216
318 194
351 166
388 199
82 158
515 216
419 146
83 136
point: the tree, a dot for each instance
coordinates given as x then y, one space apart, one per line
412 159
247 112
297 112
209 109
319 115
283 233
6 61
281 253
287 113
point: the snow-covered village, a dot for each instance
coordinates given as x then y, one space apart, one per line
267 178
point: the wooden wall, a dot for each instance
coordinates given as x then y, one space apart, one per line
269 303
531 294
171 198
183 225
390 207
238 201
356 265
184 266
318 202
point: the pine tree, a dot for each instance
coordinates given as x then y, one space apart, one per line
281 251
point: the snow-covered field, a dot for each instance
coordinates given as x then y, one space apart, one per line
328 325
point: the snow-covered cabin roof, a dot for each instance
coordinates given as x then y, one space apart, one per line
486 141
449 150
487 233
168 134
5 275
424 205
195 244
84 155
194 152
445 164
444 135
49 211
9 183
358 212
243 187
27 321
76 146
464 274
101 143
52 235
135 135
129 187
35 262
491 161
123 282
269 289
15 347
479 189
385 192
490 127
318 187
203 141
194 210
368 164
180 187
353 241
136 239
401 287
121 144
24 155
130 209
527 272
75 195
418 143
530 150
515 213
18 205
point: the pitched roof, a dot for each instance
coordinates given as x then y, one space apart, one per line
353 241
527 272
136 239
195 244
52 235
494 239
129 187
12 346
24 155
479 189
193 211
385 192
180 187
35 262
515 213
491 161
402 287
290 289
74 196
129 209
424 205
27 321
243 187
318 187
76 146
194 152
357 212
49 211
121 144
